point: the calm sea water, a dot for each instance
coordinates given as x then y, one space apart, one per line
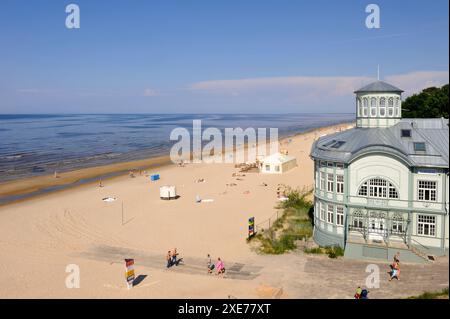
33 145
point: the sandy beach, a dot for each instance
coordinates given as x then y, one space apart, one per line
40 236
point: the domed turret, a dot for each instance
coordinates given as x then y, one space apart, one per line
378 105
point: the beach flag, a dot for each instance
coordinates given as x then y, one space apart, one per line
251 227
129 272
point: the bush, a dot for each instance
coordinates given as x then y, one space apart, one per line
432 295
331 251
316 250
335 251
293 224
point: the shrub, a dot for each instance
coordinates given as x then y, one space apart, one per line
316 250
331 251
432 295
335 251
293 224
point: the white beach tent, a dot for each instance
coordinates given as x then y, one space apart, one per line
277 163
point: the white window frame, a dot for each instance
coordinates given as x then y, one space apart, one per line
322 181
339 183
322 211
373 107
397 107
330 213
427 191
365 107
382 107
426 225
391 107
397 226
330 183
359 107
378 188
340 215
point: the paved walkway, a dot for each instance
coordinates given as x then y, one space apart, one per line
300 275
189 265
321 277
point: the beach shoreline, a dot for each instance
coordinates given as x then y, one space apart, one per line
43 235
32 187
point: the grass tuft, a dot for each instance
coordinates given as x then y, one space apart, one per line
294 224
443 294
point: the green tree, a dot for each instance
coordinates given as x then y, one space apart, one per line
432 102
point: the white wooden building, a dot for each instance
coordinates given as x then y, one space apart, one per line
382 187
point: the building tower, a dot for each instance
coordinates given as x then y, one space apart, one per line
378 105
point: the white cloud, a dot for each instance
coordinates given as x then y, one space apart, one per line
414 82
151 92
314 90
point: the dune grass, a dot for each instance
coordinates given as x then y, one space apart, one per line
294 224
443 294
331 251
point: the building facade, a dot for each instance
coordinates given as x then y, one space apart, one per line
382 187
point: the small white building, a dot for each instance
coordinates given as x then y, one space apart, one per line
277 163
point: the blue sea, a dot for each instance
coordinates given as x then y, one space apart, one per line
32 145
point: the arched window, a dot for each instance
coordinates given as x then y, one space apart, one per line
373 107
365 106
397 107
391 107
358 101
383 107
378 188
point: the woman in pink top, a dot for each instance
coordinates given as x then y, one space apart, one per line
220 267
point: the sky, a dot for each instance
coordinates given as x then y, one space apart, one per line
222 56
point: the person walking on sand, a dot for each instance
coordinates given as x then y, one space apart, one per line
397 257
209 264
175 259
395 273
169 259
220 267
174 256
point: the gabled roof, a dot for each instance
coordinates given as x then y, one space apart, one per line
361 141
379 86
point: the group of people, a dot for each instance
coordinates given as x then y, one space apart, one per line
361 293
172 258
393 273
219 266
